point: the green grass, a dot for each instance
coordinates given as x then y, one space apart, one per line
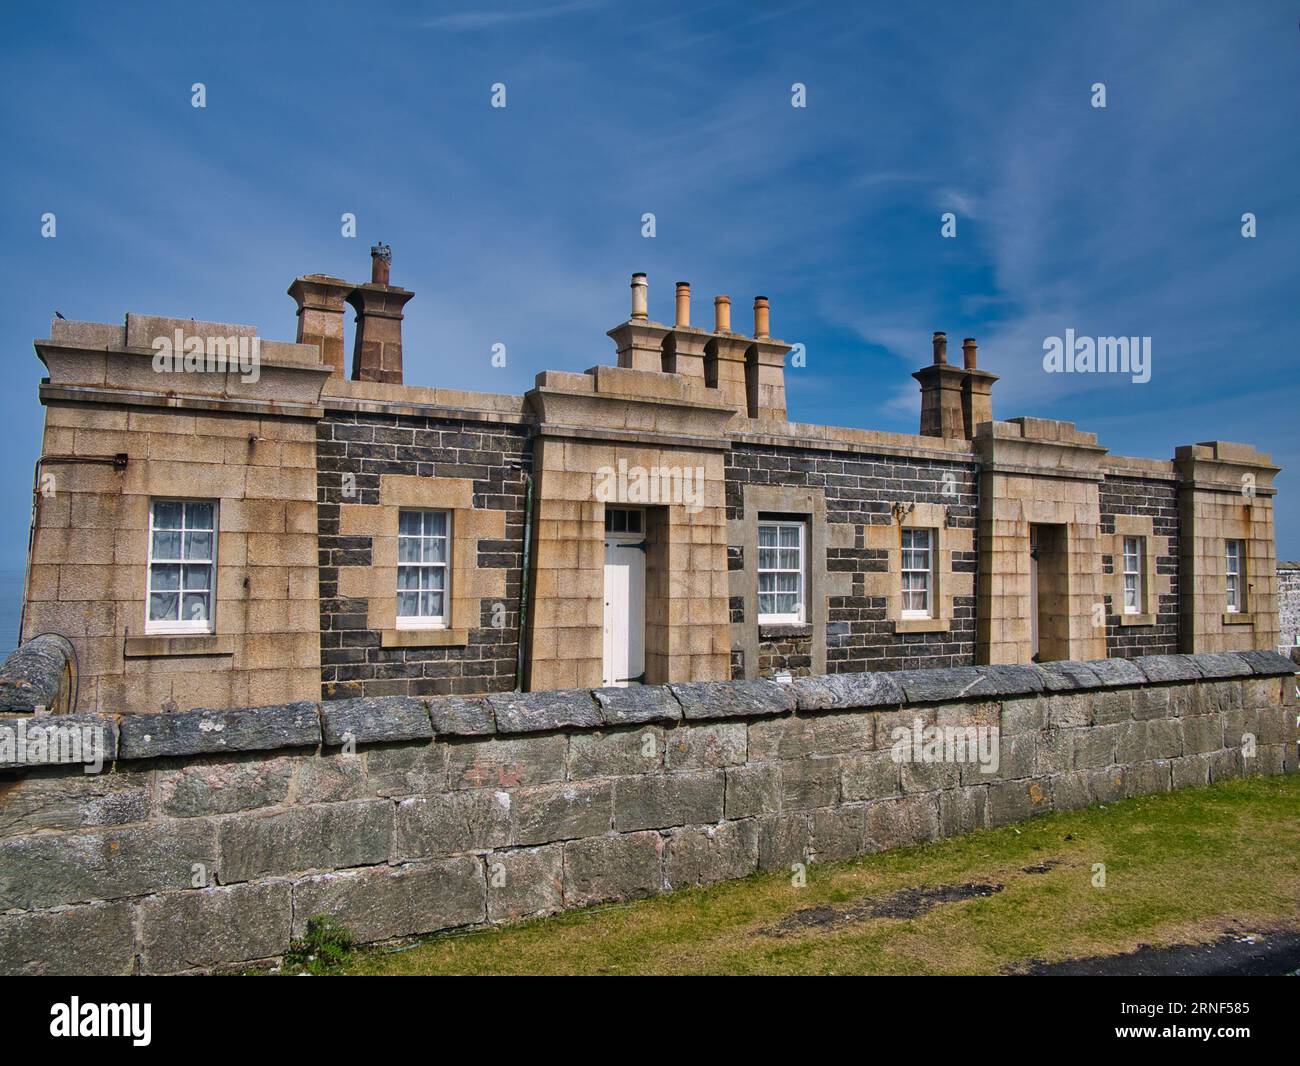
1181 867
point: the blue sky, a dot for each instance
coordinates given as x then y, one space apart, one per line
522 225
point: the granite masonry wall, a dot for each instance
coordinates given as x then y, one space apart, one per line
212 836
860 490
353 452
1158 501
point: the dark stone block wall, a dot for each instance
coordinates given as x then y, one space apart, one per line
1159 501
367 445
860 489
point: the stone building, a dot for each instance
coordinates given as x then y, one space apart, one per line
223 521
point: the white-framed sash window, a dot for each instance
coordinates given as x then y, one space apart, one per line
182 566
918 573
423 569
781 569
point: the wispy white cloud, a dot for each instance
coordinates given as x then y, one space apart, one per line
487 20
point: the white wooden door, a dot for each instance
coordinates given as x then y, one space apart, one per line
624 611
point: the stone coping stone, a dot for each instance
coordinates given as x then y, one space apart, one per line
1013 680
283 725
32 676
1268 663
375 719
1067 675
733 699
461 716
838 691
537 712
940 686
1116 673
37 729
636 704
1167 668
1219 664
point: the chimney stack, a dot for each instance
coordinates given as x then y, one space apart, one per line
940 343
683 304
377 353
321 303
762 323
976 392
640 298
941 393
722 314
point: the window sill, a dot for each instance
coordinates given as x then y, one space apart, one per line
423 638
1238 618
922 625
160 645
773 630
1137 619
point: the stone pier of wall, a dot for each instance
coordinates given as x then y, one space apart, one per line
210 837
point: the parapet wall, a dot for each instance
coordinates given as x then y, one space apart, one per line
211 837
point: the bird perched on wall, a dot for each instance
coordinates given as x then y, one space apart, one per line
59 314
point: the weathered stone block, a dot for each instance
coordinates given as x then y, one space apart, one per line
1160 668
838 833
781 738
706 747
1202 733
329 836
1016 754
73 740
69 799
1069 791
1107 786
49 870
1111 706
287 725
222 786
1225 764
637 703
752 790
506 763
657 802
1151 703
393 901
211 927
525 883
963 810
733 699
1219 664
1016 801
1115 672
967 715
1191 771
892 823
1268 663
460 716
1093 748
334 777
700 855
1148 777
408 769
616 753
871 775
942 685
831 691
1069 711
1010 680
930 776
453 822
1023 714
784 839
90 941
895 729
1065 675
562 812
1055 752
536 712
614 867
375 719
812 782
